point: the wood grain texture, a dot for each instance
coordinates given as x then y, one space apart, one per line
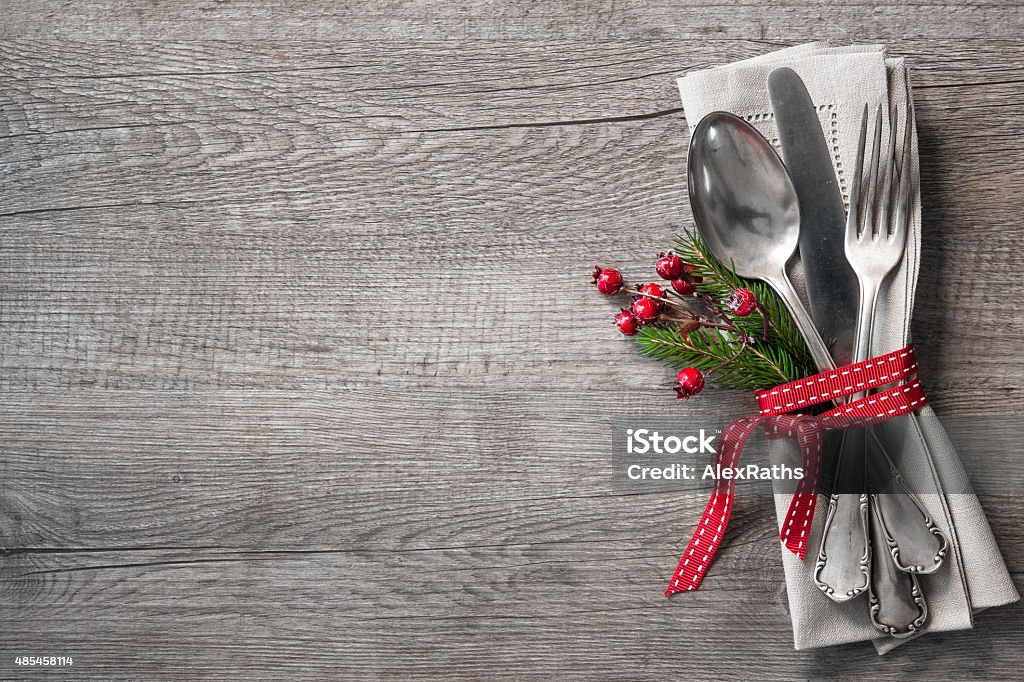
299 373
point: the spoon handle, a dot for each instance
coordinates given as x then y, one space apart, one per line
819 352
844 567
847 578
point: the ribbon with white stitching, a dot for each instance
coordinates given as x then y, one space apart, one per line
905 395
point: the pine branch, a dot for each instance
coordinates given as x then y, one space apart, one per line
760 350
725 360
720 281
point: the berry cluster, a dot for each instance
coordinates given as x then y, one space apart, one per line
650 300
652 304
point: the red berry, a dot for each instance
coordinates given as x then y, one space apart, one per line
669 266
645 310
741 302
689 381
626 323
608 281
684 287
652 290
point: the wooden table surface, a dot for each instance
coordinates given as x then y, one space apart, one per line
300 371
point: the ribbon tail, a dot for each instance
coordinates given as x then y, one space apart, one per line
796 527
697 556
703 545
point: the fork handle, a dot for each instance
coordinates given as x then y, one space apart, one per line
865 323
911 537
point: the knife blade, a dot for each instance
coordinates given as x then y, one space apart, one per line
831 284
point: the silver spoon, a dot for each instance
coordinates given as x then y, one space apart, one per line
746 210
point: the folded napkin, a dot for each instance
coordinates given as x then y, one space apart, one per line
841 81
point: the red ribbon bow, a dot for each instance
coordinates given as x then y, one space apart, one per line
898 367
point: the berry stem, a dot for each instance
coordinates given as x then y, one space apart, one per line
704 322
715 308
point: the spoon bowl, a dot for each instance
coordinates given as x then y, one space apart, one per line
743 200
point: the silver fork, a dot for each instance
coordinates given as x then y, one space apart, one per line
844 567
898 522
872 249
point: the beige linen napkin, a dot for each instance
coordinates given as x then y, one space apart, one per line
841 81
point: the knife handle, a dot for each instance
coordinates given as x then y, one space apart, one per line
896 602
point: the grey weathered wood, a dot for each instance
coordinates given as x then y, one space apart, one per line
299 372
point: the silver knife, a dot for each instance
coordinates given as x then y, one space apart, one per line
832 291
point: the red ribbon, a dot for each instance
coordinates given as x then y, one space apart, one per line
898 367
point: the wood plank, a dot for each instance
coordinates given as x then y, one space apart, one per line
459 612
108 469
769 23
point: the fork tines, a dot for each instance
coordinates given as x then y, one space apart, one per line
869 212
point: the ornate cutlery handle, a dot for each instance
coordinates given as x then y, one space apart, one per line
843 567
911 537
896 603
